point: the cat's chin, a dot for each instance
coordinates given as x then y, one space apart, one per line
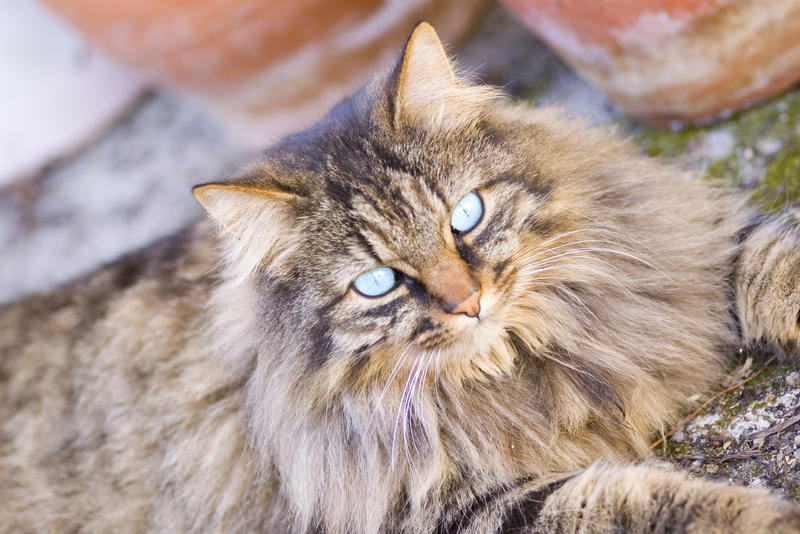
477 349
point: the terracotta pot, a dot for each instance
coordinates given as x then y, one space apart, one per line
268 66
674 60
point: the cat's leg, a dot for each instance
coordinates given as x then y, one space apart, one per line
766 285
627 499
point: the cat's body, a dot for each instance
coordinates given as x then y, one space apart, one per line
96 442
596 292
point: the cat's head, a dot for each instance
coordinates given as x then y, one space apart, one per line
401 231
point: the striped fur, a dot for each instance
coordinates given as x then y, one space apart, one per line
612 498
231 379
766 277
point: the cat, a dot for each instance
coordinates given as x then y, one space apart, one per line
433 311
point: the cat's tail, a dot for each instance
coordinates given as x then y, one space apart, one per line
630 499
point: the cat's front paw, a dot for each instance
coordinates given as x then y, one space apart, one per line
763 514
646 499
767 288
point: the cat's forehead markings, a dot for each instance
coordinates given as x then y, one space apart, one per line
379 245
400 203
399 241
366 246
430 187
463 179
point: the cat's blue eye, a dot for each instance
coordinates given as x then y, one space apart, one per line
467 213
376 282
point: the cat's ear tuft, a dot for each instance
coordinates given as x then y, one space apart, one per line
427 87
259 219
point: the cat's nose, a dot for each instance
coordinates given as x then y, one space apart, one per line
450 284
470 306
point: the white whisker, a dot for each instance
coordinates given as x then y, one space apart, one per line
561 288
535 267
611 232
398 364
401 409
524 258
412 409
581 268
436 375
421 385
624 253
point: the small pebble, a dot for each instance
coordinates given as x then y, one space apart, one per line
793 379
680 437
712 468
797 440
789 400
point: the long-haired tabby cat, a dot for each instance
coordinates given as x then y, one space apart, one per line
434 311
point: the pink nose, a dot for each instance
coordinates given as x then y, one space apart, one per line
471 306
453 287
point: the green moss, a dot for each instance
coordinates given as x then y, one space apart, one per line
781 184
777 121
765 155
671 448
664 143
776 118
727 169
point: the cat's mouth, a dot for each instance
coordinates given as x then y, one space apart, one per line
459 349
464 337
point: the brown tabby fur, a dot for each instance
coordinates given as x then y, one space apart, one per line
231 379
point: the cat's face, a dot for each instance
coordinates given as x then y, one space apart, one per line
420 254
394 235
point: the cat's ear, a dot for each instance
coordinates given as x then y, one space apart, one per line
427 88
239 208
259 219
424 73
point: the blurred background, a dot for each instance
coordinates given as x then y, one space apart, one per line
111 111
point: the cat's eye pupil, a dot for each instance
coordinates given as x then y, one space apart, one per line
467 213
376 282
